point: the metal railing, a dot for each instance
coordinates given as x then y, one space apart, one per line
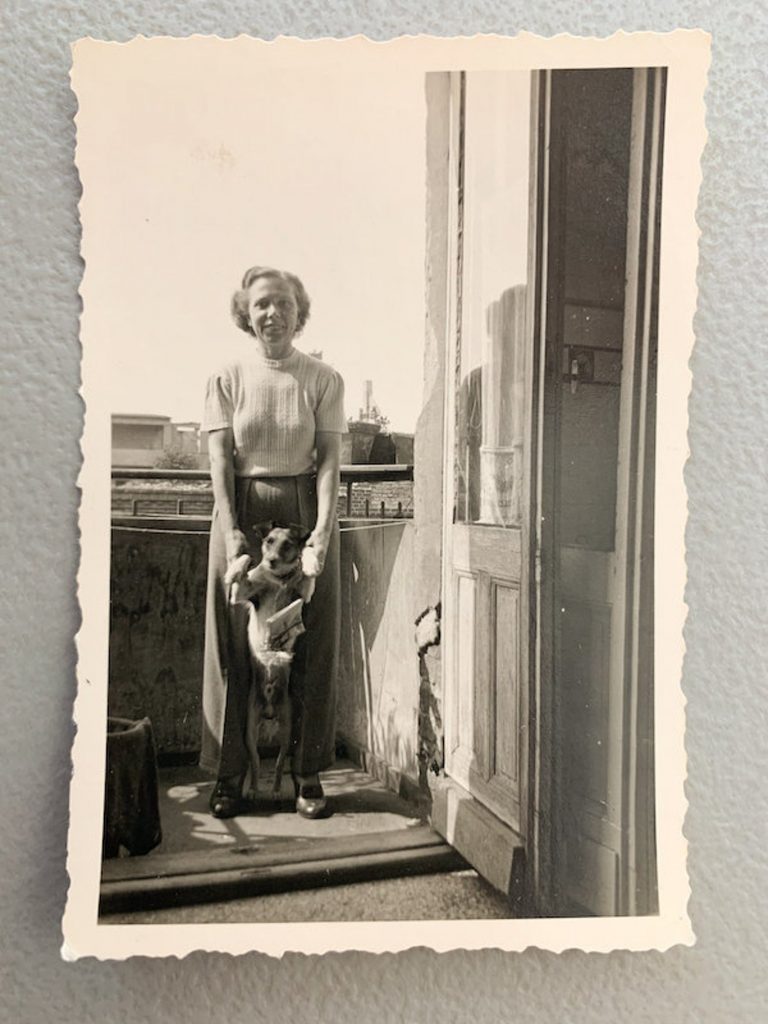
350 475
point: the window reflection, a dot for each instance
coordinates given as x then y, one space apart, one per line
494 330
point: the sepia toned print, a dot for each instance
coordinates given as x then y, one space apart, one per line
383 510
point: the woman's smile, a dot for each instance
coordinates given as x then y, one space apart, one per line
273 313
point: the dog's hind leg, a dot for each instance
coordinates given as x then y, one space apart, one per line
252 741
279 767
285 744
280 764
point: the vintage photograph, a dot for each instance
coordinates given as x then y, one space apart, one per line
384 404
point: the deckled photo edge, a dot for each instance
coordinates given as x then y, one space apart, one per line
686 54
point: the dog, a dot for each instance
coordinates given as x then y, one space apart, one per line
274 590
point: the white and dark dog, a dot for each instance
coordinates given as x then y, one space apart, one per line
275 590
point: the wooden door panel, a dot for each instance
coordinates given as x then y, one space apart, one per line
506 682
480 683
461 699
485 749
486 683
587 706
487 549
592 754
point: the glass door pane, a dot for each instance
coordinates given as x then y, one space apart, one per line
493 295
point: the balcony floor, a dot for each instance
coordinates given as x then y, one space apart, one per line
360 805
426 879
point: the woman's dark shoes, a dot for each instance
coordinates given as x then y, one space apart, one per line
226 800
310 799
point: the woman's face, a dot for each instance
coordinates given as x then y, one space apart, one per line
273 312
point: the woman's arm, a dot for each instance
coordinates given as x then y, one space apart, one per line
328 444
221 448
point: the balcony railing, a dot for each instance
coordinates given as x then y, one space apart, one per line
188 506
157 612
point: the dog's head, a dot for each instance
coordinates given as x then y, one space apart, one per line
281 546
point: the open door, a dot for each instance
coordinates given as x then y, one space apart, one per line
548 483
482 807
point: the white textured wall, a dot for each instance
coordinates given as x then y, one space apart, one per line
721 979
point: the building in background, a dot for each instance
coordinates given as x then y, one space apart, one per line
147 441
369 441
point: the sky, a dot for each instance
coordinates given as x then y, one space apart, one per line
191 178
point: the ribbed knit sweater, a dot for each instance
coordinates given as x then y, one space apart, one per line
274 407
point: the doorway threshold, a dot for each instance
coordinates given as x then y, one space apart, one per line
371 834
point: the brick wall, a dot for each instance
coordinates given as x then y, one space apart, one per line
396 495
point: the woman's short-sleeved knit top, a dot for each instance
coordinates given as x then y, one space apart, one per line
274 407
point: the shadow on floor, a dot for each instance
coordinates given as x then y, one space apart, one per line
358 803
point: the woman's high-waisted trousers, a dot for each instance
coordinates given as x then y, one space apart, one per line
226 671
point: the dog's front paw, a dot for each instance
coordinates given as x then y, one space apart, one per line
237 569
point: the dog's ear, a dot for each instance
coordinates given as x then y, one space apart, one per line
262 529
300 533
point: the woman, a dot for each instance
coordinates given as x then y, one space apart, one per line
274 423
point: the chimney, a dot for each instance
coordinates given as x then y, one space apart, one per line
368 395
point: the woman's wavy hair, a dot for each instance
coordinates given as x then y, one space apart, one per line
239 305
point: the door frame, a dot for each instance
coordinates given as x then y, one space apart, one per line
542 809
631 652
635 480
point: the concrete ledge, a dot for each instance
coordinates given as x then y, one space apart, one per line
180 879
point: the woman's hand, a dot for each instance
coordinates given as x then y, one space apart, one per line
235 544
319 542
